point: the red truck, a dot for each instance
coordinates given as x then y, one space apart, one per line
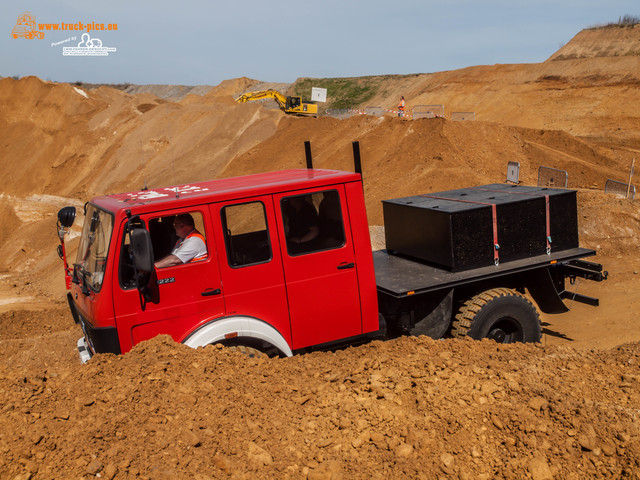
260 286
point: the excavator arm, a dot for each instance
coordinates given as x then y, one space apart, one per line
277 96
293 105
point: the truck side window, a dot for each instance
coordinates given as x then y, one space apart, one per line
313 222
163 240
245 233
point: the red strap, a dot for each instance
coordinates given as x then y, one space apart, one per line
494 215
546 204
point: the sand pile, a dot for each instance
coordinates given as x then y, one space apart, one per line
106 140
404 408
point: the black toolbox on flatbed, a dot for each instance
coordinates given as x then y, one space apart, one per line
480 226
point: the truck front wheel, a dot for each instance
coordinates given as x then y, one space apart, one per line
248 351
501 314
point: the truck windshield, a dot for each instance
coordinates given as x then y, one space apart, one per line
94 246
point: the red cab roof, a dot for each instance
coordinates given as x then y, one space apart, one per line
222 189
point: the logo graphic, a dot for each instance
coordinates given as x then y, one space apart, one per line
89 47
26 27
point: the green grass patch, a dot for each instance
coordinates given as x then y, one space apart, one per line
341 92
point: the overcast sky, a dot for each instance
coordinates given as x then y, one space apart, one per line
204 42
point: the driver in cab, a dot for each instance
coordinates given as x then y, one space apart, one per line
190 246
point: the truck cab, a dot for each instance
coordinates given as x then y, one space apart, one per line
263 283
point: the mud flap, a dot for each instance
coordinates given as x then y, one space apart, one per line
542 288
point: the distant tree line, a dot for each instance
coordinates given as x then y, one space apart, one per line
624 21
628 20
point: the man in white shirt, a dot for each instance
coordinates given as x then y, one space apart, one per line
190 246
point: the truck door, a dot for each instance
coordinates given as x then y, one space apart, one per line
319 266
250 261
187 294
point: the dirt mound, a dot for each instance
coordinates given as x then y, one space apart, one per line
610 41
173 93
33 115
406 408
105 140
178 93
10 222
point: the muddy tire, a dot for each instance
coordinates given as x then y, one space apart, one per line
248 351
501 314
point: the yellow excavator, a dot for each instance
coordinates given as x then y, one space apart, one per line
293 105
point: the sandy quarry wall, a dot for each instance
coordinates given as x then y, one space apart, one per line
611 41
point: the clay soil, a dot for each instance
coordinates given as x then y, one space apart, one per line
413 407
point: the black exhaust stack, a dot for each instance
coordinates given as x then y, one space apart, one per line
307 152
357 164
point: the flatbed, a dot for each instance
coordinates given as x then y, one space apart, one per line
400 276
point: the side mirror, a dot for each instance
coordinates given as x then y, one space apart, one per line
66 216
142 250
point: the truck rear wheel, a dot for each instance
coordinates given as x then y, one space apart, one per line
501 314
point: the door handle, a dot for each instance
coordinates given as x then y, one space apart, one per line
210 293
345 265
